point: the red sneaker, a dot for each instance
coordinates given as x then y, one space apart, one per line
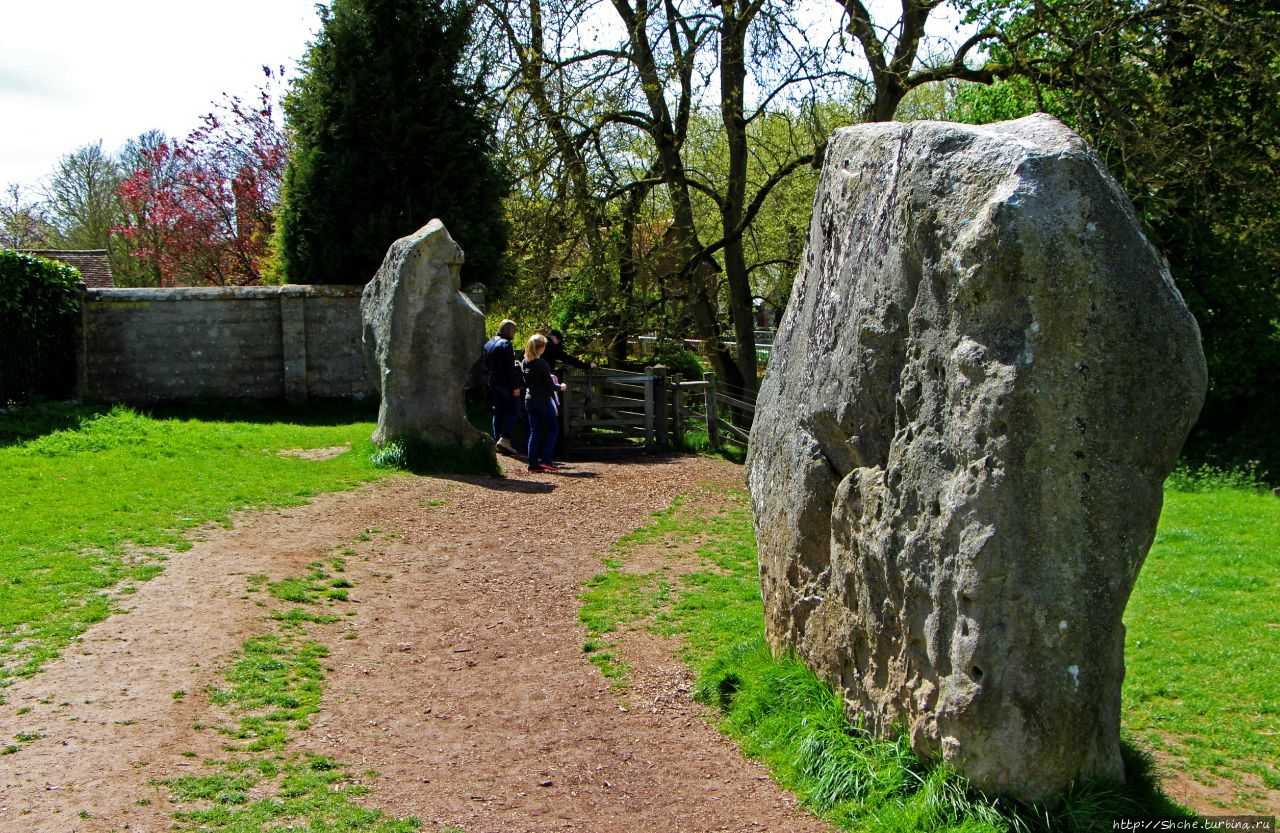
545 468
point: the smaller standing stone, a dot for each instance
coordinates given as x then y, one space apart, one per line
420 337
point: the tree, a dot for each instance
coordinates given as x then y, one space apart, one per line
627 115
893 59
388 135
152 173
24 223
81 198
202 211
1183 103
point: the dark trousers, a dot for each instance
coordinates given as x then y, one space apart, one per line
505 410
543 430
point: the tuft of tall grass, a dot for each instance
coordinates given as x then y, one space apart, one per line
699 442
781 713
23 423
1208 477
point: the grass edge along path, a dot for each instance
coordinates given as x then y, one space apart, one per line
780 713
274 686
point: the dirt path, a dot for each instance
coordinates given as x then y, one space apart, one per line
465 686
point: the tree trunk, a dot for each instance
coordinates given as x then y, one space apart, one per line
733 74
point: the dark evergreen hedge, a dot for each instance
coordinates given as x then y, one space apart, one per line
387 136
39 309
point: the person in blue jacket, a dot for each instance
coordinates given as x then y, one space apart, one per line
502 379
540 405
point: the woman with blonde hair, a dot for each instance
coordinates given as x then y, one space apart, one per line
539 404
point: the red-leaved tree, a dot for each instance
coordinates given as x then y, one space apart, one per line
201 212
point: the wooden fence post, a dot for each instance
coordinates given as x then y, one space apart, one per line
648 407
567 408
660 405
713 422
677 419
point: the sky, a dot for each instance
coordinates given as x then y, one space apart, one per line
76 71
73 72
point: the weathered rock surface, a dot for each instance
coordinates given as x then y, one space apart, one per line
982 378
421 335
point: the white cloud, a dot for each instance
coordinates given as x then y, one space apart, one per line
76 71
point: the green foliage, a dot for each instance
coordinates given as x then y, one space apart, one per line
1003 101
1207 477
387 136
575 305
24 222
39 305
635 288
1182 101
699 442
76 499
679 360
81 198
36 292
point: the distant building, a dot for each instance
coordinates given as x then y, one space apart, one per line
95 269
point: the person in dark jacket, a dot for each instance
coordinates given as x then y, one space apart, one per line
539 403
504 384
556 355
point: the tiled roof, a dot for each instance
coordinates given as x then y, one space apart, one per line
95 269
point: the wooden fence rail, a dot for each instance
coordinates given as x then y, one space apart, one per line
614 410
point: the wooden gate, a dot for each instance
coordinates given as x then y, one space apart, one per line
611 411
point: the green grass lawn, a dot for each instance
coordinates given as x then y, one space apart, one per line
1202 650
1203 684
89 497
86 497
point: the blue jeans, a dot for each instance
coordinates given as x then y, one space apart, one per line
505 410
543 429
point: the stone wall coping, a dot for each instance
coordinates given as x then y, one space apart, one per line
220 293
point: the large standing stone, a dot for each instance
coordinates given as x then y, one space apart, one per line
421 334
983 376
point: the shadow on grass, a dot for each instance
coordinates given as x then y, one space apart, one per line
313 412
24 423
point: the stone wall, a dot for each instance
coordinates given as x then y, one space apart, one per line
222 343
